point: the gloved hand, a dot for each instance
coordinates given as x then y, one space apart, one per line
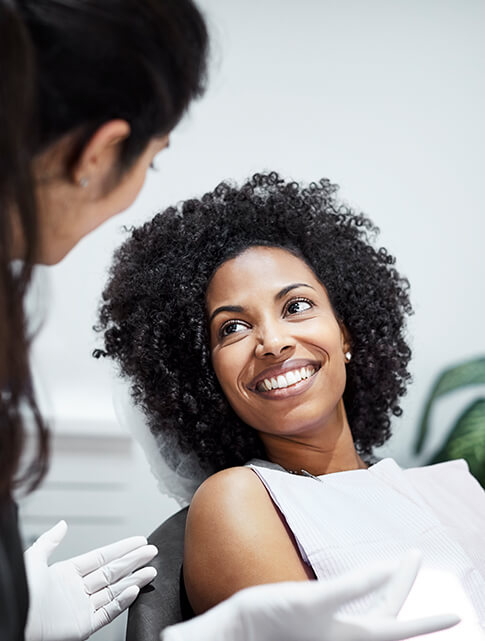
308 611
72 599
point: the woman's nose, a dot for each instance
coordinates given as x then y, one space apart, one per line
273 341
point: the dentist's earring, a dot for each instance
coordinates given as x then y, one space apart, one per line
348 357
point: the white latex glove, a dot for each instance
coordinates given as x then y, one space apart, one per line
72 599
308 611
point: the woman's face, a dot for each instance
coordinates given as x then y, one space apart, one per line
277 347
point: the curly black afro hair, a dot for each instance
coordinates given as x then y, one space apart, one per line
154 320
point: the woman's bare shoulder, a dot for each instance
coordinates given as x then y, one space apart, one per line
235 537
227 486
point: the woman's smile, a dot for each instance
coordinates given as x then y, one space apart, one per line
291 378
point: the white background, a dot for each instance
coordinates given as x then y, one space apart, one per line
384 97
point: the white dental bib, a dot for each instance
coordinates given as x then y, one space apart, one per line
348 519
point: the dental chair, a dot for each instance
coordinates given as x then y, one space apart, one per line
164 601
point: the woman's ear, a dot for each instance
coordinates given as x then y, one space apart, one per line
100 156
345 341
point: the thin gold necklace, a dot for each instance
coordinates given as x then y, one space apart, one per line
305 473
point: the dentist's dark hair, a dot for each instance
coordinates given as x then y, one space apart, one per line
17 216
139 60
67 67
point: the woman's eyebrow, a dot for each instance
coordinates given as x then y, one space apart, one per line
239 310
288 288
226 308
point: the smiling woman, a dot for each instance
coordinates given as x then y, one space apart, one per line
285 344
164 271
261 323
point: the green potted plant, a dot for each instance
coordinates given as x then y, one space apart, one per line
466 439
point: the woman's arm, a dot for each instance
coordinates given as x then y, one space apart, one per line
235 537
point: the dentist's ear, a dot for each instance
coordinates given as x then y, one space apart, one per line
99 159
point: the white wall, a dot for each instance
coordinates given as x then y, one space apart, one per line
385 97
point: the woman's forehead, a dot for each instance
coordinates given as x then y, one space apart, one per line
259 270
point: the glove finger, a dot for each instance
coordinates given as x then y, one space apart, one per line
349 586
91 561
329 594
140 578
118 568
48 541
393 630
107 613
399 586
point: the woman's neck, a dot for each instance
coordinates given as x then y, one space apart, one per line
323 451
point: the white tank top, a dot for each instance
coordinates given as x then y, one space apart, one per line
344 520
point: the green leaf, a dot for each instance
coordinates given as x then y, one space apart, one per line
467 440
454 378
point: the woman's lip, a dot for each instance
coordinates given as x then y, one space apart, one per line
282 368
292 390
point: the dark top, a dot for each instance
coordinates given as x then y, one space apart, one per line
14 597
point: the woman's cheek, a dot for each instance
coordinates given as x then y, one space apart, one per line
231 369
224 368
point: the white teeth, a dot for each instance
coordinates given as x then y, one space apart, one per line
282 381
286 380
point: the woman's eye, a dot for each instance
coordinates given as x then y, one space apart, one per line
232 327
298 306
